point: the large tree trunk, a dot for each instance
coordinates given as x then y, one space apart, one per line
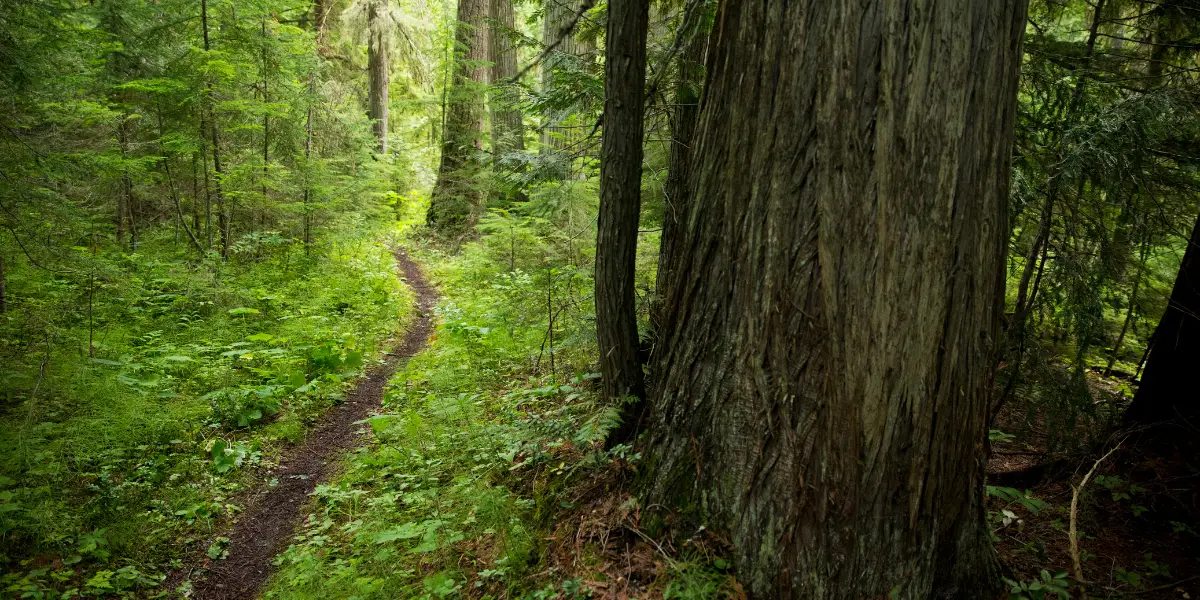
457 199
620 206
1168 390
559 29
829 338
508 130
378 69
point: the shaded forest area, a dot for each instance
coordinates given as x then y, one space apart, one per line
599 299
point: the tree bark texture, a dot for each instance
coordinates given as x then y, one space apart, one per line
829 335
508 131
1168 387
457 198
620 203
378 70
559 30
684 120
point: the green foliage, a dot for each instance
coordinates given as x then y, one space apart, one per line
113 459
1102 201
483 437
1047 586
1013 495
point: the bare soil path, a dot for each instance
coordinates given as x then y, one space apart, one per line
271 517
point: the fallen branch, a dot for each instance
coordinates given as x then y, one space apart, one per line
1167 586
1072 532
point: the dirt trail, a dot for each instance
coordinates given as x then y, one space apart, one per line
272 515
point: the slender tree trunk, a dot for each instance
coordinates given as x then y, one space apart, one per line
457 200
208 230
821 392
1133 293
685 118
308 139
508 130
130 216
1024 301
3 287
378 70
166 164
120 68
266 144
195 196
1168 386
208 119
620 209
320 12
320 15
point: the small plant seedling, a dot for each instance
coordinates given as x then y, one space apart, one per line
1046 586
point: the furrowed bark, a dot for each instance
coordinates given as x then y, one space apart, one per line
684 121
508 130
829 335
559 31
456 200
620 208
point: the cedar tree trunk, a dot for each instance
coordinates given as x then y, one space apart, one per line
620 205
684 121
456 200
508 129
559 29
378 70
829 335
508 132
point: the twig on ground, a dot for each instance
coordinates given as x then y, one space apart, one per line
1072 532
1168 585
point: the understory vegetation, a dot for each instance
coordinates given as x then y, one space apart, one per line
143 419
488 476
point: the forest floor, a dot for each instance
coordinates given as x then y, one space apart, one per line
1136 517
273 514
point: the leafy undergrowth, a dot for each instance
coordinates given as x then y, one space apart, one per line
112 464
488 478
1137 521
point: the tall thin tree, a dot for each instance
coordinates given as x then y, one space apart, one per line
209 127
620 207
823 368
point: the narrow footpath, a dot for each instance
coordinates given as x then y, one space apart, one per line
273 514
